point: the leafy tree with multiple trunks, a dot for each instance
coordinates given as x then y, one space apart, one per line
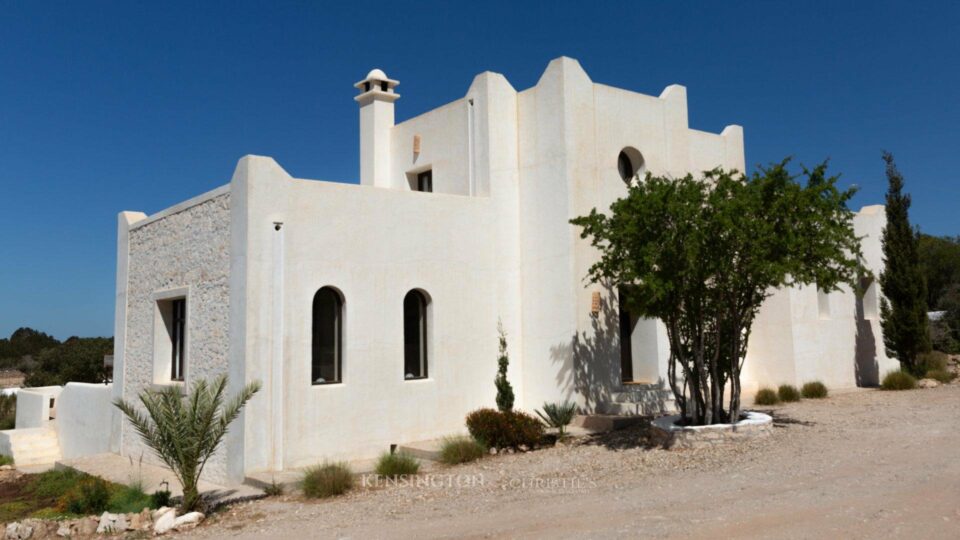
702 254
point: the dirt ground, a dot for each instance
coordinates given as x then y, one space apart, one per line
869 464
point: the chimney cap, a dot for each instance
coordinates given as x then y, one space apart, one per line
377 75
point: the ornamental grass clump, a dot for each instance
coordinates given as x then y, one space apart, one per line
814 390
766 396
940 375
327 480
397 464
455 450
898 380
788 393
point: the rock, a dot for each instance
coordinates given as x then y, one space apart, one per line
87 526
18 531
493 450
65 530
154 515
188 521
112 523
523 448
928 383
164 522
6 467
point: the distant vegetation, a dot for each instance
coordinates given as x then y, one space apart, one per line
46 361
940 257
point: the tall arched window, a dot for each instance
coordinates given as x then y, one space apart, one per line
415 335
327 336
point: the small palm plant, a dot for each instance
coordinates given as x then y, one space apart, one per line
184 431
558 415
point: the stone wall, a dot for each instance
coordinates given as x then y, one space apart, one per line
188 249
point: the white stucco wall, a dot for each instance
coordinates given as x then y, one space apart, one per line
33 406
84 424
184 248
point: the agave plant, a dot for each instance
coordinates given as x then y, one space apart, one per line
185 431
558 415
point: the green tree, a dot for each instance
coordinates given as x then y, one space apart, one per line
702 254
903 306
75 360
185 432
940 258
504 389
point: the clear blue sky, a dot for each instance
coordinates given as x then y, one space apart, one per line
110 106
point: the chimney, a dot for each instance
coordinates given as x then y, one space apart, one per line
376 118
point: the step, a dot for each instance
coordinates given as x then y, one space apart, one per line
597 423
429 449
34 446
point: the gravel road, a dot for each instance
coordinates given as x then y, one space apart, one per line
867 464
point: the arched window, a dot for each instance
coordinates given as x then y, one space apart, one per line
327 336
630 163
415 335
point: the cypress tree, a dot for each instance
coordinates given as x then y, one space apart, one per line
903 307
504 389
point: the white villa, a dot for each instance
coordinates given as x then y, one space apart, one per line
369 312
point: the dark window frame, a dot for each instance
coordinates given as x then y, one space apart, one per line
178 338
335 337
425 181
415 329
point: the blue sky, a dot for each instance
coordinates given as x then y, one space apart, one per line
110 106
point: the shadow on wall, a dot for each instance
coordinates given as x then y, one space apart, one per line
594 369
866 368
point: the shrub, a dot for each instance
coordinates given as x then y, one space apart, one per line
398 464
766 396
6 460
130 499
275 489
814 390
160 498
504 429
53 484
941 375
90 496
932 361
327 480
558 415
456 450
788 393
898 380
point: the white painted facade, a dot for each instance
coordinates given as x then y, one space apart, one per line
491 242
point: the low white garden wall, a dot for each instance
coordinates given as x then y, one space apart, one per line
33 406
86 420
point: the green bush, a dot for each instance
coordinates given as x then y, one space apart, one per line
766 396
130 499
898 380
788 393
456 450
91 495
507 429
275 489
941 375
932 361
398 464
814 390
160 498
6 460
54 483
327 480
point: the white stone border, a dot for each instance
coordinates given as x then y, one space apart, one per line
753 418
755 425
